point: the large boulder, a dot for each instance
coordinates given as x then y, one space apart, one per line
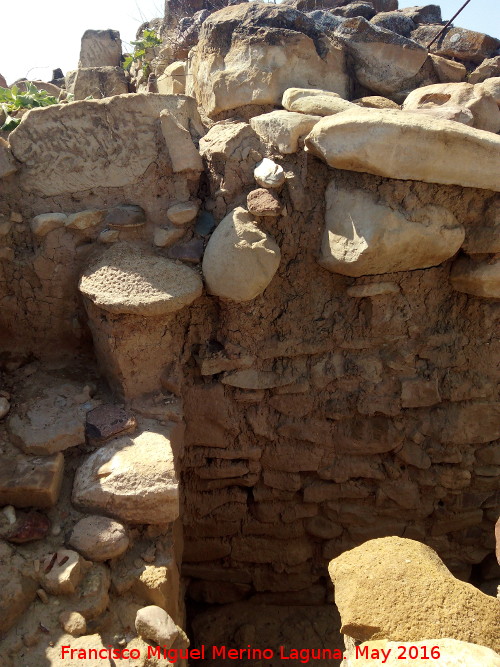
251 53
364 236
58 157
283 129
431 652
132 478
383 61
96 82
459 43
409 147
240 259
100 48
399 589
476 99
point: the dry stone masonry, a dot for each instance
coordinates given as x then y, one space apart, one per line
249 315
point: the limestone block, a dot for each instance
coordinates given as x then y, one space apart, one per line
363 236
240 259
173 79
31 481
383 61
376 102
491 87
183 153
274 39
61 572
127 280
459 43
84 219
433 151
99 538
100 48
154 624
268 174
476 99
42 224
477 277
313 101
435 652
132 478
52 421
449 71
96 82
94 143
8 165
181 214
488 68
368 595
283 129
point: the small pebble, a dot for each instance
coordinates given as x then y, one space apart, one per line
43 596
10 513
73 623
4 407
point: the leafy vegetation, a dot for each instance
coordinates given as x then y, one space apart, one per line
148 40
12 100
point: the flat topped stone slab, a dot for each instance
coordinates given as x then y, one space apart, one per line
129 280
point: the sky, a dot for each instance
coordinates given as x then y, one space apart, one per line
38 36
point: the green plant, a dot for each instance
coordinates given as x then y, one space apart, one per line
148 40
12 100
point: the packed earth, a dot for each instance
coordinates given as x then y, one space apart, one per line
249 343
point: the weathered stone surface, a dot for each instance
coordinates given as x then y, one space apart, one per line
124 217
238 43
353 9
268 174
61 572
132 479
107 421
489 67
51 421
73 623
447 112
164 237
449 71
31 481
8 165
100 48
126 280
173 80
42 224
183 153
437 652
497 539
433 151
477 277
459 43
262 549
264 203
313 101
491 87
367 583
376 102
383 61
154 624
181 214
53 142
83 219
395 21
28 527
96 82
283 129
99 538
372 290
240 260
363 236
465 423
476 99
419 393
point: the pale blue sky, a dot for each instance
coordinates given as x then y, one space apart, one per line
39 35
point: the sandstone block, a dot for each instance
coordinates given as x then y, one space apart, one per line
240 260
367 583
313 101
126 280
433 151
31 481
61 572
132 479
83 219
376 102
476 99
100 48
183 153
181 214
42 224
491 87
99 538
283 129
154 624
173 79
476 277
447 112
275 39
459 43
488 68
449 71
383 61
365 237
96 82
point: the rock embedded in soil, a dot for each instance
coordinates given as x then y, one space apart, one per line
99 538
240 259
314 101
107 421
283 129
268 174
264 203
28 528
73 623
154 624
31 481
477 277
62 571
181 214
